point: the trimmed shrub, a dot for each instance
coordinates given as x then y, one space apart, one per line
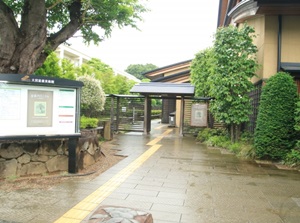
86 122
155 112
297 123
274 134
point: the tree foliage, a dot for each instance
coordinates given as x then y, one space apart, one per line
100 71
274 133
224 73
52 68
122 84
111 83
201 69
92 97
234 53
137 70
69 70
30 30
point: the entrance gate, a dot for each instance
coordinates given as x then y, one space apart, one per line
133 112
126 112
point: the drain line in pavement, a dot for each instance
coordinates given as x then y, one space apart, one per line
92 201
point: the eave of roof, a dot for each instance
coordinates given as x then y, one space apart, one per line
243 10
158 88
290 67
165 68
239 12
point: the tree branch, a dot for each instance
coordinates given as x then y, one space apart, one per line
55 4
33 17
7 14
70 29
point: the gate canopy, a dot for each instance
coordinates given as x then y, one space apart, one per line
163 89
159 88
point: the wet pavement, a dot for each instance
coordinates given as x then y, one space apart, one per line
173 178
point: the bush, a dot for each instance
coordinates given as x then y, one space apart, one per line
219 141
247 151
206 133
220 138
297 122
86 122
155 112
274 133
92 96
293 158
235 147
247 137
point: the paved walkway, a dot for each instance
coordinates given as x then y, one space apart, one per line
174 179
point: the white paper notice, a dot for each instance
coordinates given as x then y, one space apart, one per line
10 103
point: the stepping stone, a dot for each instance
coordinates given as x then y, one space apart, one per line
115 214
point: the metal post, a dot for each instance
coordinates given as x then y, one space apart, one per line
72 145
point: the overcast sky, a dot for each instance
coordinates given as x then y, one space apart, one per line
173 31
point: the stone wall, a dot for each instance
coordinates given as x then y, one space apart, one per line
39 157
89 150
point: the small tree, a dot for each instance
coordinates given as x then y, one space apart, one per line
50 67
100 71
92 97
201 69
68 69
122 84
274 133
235 65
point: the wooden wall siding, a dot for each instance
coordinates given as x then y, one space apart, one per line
187 112
297 81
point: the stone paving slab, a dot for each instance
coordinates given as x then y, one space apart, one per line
181 182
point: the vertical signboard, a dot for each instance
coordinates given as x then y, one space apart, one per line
199 115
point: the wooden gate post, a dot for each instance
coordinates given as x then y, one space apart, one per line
147 114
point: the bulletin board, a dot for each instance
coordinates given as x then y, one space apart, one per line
38 105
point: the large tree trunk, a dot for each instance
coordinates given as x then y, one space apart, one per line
24 48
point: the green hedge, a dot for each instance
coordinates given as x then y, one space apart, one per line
86 122
274 134
155 112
